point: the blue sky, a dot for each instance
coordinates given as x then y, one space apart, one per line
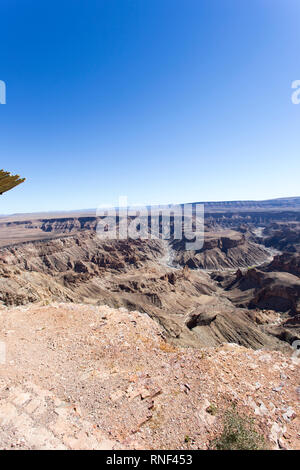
159 100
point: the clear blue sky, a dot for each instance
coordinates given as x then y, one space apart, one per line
159 100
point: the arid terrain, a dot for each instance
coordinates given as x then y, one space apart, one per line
130 344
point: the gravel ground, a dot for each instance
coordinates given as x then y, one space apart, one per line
86 377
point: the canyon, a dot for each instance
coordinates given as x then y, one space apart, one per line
241 289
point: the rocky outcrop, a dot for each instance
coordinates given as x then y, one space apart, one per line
220 322
74 252
257 289
222 250
287 262
284 236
